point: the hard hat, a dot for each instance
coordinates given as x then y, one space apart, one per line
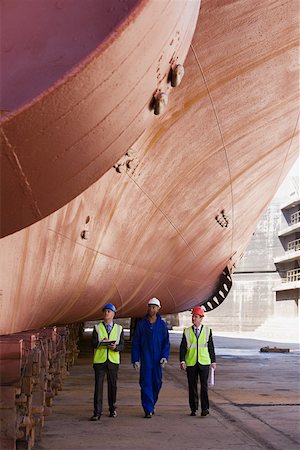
198 310
154 301
110 306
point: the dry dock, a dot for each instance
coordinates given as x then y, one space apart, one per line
254 404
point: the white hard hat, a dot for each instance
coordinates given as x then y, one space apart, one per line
154 301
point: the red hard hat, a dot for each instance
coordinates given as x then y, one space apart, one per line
198 310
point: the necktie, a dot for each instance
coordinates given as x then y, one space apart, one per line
108 328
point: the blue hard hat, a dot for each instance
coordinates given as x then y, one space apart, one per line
110 306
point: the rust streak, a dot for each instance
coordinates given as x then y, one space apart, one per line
121 261
23 180
252 65
238 176
174 302
129 94
164 214
222 139
67 306
17 304
288 151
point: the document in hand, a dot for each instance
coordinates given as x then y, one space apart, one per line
108 342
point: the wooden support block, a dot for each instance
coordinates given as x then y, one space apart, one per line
10 360
36 363
8 397
27 385
8 424
7 444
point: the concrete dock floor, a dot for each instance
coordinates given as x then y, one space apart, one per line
255 404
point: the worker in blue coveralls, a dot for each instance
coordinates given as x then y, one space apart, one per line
150 353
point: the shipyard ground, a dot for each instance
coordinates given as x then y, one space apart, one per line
254 404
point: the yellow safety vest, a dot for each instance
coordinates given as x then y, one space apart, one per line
101 354
195 346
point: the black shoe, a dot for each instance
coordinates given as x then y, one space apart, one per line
205 413
94 418
148 415
113 414
193 413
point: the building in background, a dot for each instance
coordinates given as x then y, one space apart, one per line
288 264
264 299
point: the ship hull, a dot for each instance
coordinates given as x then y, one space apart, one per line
76 102
188 194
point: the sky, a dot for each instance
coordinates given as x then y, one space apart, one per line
291 184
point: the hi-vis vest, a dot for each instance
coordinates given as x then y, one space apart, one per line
102 353
194 347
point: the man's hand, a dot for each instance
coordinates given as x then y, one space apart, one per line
99 343
183 365
136 365
112 346
163 362
213 366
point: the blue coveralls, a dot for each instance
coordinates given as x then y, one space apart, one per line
150 344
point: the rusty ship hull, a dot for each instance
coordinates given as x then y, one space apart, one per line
175 199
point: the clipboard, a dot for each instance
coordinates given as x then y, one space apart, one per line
106 343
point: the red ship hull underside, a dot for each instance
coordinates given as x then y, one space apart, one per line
225 143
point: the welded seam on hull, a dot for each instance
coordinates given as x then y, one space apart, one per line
287 153
120 296
85 98
17 167
32 201
68 305
164 214
172 296
103 119
221 135
119 260
20 276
